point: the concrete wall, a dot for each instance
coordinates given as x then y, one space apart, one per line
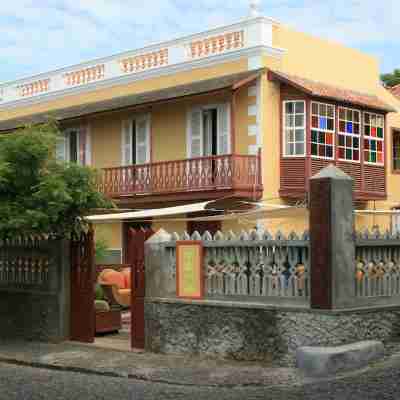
34 310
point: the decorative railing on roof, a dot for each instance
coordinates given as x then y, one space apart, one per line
248 34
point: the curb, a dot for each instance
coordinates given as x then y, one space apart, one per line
138 377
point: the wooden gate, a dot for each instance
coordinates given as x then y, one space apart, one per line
82 288
137 239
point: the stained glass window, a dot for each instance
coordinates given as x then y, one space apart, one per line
349 134
294 128
322 130
396 150
373 138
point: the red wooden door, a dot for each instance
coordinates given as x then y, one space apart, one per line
137 239
82 288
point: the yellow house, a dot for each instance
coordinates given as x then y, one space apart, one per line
247 111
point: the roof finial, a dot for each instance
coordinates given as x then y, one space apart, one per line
255 8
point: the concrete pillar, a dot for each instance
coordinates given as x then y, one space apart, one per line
332 239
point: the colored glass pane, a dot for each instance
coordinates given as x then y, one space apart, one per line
314 122
341 140
329 138
349 127
356 155
329 151
341 152
314 149
380 158
380 132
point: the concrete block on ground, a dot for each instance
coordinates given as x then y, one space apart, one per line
325 361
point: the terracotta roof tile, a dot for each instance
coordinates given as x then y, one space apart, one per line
319 89
396 90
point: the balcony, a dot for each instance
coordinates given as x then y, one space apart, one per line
205 177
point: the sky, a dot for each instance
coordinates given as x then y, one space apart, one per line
42 35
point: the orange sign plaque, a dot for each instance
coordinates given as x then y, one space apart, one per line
189 270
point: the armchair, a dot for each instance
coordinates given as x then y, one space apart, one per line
116 286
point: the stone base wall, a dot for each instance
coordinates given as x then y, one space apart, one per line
258 334
31 317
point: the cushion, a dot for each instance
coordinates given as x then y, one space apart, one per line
127 275
109 276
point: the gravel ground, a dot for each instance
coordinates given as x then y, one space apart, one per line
24 383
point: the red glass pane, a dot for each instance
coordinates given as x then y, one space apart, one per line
380 146
366 144
356 155
314 122
329 138
341 152
373 131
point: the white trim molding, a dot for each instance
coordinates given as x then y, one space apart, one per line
250 38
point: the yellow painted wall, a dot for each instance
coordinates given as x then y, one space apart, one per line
322 60
111 233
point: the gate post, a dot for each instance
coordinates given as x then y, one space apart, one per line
332 239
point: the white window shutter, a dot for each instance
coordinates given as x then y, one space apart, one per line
126 141
88 148
143 140
82 137
195 133
61 148
223 128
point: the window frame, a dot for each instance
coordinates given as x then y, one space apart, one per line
382 164
284 102
360 135
394 131
334 131
67 134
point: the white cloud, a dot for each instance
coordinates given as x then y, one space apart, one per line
38 35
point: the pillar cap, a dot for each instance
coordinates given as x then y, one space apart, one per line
333 172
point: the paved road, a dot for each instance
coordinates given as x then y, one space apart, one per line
25 383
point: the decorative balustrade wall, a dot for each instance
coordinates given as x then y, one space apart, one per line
254 266
29 264
378 265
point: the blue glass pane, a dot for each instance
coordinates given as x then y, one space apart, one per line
349 127
323 122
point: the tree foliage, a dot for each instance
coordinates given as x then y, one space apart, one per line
391 79
39 194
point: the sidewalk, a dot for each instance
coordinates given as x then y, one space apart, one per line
175 370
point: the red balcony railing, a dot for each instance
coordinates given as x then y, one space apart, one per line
236 172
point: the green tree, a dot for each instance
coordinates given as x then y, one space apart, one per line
391 79
38 194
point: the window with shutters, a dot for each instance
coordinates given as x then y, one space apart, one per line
69 146
209 131
136 140
396 150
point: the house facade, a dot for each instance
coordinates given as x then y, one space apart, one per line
248 111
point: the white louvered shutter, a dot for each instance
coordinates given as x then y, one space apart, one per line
223 128
82 144
195 138
126 140
143 140
61 148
